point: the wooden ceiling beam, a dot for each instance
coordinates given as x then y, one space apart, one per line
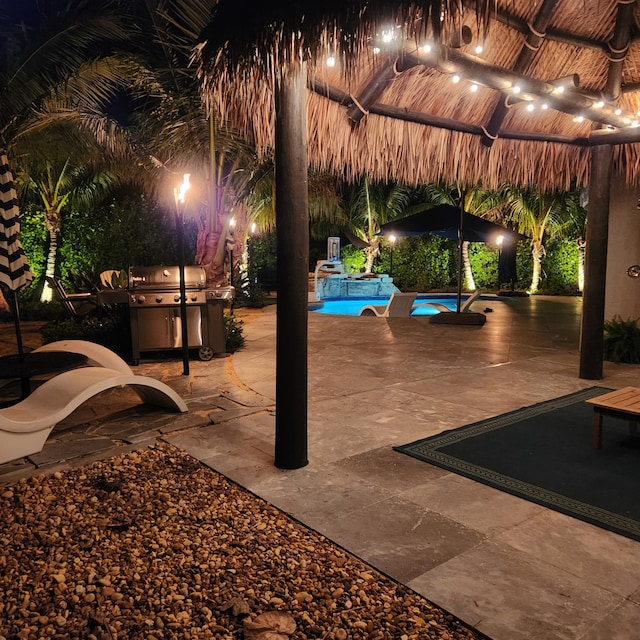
595 138
556 35
618 47
451 61
376 84
527 53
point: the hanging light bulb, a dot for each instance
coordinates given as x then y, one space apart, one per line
331 61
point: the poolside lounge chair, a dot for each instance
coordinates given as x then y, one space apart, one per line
399 306
465 307
464 317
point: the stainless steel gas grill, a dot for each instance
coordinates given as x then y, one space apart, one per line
154 311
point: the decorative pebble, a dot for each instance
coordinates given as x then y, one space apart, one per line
199 557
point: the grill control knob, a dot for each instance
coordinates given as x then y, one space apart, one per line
176 298
140 299
158 299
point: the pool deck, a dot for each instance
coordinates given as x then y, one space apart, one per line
510 568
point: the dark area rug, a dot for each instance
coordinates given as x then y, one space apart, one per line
543 453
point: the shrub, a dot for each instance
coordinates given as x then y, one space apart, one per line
233 333
112 332
622 341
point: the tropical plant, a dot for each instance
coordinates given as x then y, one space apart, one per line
541 215
477 200
622 340
54 92
367 207
58 189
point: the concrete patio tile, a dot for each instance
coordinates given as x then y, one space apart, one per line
623 622
473 504
603 558
401 538
511 595
387 468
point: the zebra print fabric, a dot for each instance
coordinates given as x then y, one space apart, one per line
14 269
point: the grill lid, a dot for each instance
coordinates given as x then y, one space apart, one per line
161 277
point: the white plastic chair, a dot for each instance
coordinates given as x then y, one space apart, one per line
399 306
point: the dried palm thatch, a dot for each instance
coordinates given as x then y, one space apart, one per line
391 109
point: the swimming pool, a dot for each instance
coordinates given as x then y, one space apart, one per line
351 306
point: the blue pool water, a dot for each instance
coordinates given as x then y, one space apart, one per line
351 306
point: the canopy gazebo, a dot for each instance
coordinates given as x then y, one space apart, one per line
543 94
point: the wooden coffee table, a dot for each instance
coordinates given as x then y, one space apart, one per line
623 403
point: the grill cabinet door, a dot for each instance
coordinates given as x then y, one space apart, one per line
155 328
194 327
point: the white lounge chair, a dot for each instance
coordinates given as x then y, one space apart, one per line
399 306
25 426
465 307
97 355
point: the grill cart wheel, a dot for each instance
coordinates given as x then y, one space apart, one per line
205 353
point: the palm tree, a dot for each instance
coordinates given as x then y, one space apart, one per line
540 215
478 201
60 188
368 206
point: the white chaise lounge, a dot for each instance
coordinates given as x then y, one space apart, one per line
25 426
399 306
97 355
464 307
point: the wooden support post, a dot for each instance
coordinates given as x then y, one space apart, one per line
592 328
292 221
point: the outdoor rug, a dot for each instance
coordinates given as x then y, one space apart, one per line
543 453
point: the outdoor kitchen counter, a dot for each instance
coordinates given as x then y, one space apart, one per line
106 297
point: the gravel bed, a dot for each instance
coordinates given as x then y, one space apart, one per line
155 545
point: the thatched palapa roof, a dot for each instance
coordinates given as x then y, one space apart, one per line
393 109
